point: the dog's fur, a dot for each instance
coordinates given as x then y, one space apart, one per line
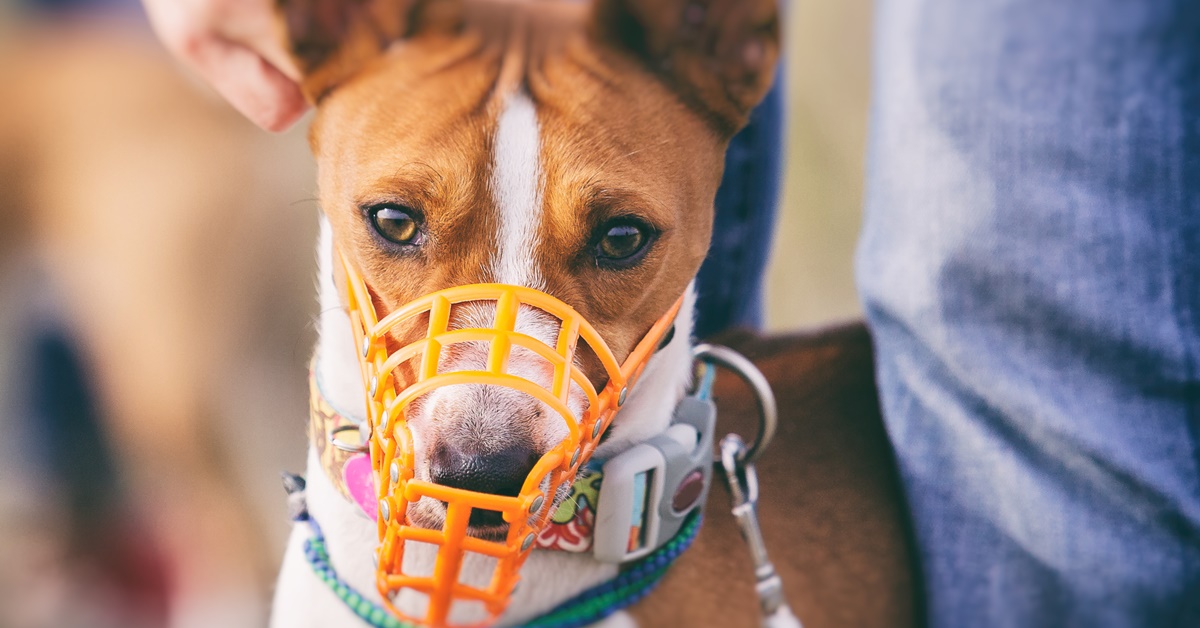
514 130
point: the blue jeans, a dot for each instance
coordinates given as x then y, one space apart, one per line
1030 269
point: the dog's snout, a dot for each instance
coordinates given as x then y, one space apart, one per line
498 473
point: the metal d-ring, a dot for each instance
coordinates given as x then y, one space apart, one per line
354 449
768 412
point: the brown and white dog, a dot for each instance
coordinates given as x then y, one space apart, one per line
571 147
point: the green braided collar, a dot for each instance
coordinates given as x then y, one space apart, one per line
633 583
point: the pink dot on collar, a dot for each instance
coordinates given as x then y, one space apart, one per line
360 483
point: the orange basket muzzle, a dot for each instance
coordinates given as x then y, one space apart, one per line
391 441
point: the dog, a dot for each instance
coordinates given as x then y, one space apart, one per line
572 148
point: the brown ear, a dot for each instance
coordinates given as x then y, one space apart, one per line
331 40
719 55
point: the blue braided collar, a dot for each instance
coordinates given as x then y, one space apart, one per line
632 584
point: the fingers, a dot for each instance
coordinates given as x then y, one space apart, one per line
253 86
233 46
253 24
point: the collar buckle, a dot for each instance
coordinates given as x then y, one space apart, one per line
650 489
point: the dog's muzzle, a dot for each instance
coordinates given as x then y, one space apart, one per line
391 441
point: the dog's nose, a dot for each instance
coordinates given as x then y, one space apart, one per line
499 473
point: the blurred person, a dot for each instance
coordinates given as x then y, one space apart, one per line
155 387
75 553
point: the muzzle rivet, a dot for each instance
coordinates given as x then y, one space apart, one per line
596 429
528 542
574 457
384 510
383 421
375 386
620 397
537 504
366 348
394 471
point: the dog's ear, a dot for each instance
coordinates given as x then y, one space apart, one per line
719 55
331 40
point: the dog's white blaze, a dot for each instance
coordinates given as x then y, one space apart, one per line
516 188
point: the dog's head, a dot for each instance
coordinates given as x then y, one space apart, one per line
570 147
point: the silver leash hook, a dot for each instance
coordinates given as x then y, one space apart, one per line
737 463
742 480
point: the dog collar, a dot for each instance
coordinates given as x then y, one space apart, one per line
619 510
639 576
585 609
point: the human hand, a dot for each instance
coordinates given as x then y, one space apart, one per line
234 45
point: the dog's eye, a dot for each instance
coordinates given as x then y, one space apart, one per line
396 224
621 243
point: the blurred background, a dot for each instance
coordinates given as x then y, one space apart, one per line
156 295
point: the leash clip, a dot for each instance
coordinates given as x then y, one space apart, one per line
737 462
742 480
650 490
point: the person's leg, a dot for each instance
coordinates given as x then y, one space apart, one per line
729 285
1030 268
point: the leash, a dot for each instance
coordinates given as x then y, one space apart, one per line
736 462
639 577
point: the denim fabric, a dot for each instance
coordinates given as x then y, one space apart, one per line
729 285
1030 268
